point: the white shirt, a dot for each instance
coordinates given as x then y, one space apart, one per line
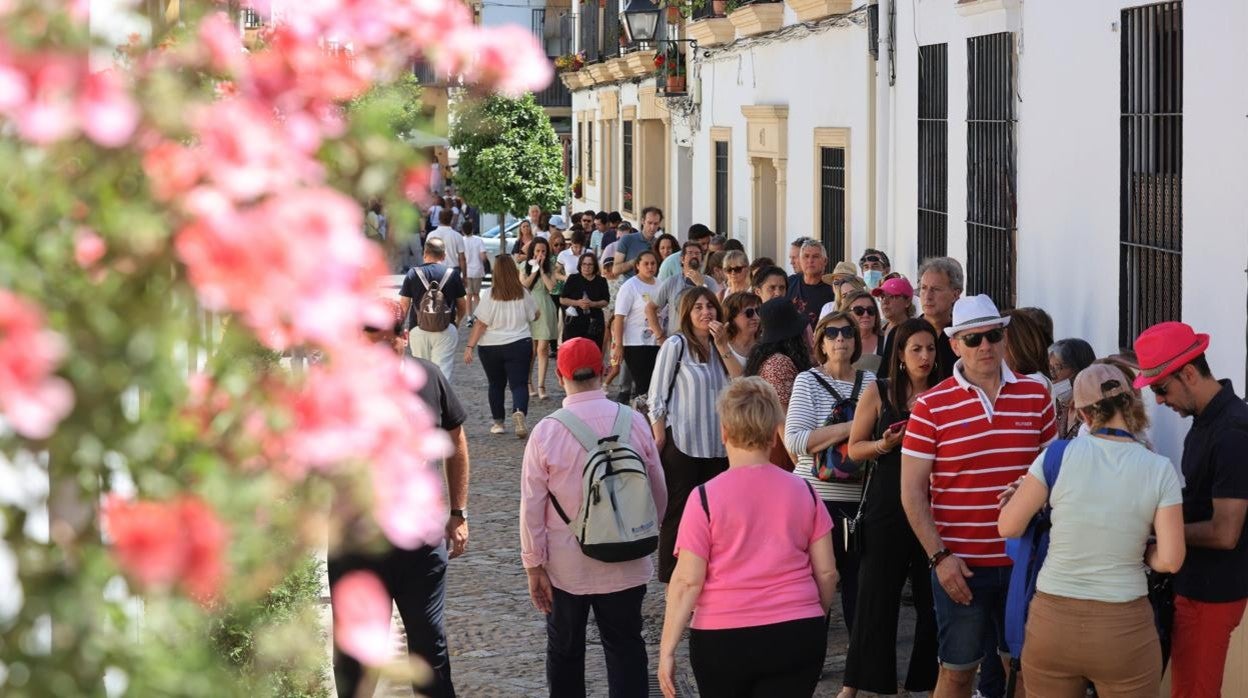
505 321
631 303
454 243
474 247
570 260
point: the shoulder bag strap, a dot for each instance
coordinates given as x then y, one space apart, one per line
706 508
676 370
1053 463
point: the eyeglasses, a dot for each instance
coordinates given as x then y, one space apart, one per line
845 332
976 338
750 313
861 310
1160 389
734 270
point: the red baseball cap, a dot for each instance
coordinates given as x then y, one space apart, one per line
1164 348
577 354
894 287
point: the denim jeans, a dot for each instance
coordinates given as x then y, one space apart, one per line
618 615
961 629
416 580
507 365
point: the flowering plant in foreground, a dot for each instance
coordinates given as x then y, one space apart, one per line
169 224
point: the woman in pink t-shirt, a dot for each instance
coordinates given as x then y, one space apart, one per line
755 566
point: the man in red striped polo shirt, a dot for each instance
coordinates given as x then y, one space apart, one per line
967 439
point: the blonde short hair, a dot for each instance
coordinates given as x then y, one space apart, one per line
750 411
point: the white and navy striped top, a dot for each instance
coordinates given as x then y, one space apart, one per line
809 407
690 408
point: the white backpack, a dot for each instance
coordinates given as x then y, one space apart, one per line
617 520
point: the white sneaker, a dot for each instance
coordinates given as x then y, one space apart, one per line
521 429
497 428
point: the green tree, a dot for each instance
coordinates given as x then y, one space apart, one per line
509 156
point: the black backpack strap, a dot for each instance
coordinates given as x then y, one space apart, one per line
826 385
858 378
706 508
559 509
814 497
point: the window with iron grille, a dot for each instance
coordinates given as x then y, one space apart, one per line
627 138
933 151
1151 186
721 187
589 151
832 202
580 140
991 208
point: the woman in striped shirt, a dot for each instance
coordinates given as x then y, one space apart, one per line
807 433
688 376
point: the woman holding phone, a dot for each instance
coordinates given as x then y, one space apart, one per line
889 553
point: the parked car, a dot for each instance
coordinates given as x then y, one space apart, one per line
491 237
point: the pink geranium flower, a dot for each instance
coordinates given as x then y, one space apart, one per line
362 617
160 544
32 398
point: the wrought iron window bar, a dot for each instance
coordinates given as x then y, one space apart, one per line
673 72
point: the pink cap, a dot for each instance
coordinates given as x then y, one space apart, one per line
894 287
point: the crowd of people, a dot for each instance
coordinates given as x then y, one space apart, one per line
856 437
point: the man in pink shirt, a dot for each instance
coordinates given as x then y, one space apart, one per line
564 583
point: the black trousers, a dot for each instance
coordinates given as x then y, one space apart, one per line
507 365
683 474
846 558
891 554
416 580
618 616
640 362
764 661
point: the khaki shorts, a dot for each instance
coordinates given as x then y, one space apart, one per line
473 286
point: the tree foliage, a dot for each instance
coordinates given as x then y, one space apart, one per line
509 156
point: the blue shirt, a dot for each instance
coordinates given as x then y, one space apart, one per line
632 245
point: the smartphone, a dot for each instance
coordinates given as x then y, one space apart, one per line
898 426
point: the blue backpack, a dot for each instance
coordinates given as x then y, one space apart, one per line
1028 552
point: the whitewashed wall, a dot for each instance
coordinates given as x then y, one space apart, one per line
1068 165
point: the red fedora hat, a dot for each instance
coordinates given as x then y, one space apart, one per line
1165 348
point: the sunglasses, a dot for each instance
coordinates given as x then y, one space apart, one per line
976 338
871 258
734 270
846 332
1160 389
750 313
861 310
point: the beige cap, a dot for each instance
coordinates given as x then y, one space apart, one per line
1098 382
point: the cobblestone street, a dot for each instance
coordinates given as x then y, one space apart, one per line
497 639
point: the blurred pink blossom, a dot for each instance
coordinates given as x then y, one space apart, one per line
159 544
89 248
107 113
407 499
361 607
32 398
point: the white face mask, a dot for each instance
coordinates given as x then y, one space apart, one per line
1062 389
873 277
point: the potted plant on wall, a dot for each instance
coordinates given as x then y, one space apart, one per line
670 67
577 188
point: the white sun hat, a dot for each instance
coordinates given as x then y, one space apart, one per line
973 312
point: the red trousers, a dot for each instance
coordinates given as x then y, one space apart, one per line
1202 635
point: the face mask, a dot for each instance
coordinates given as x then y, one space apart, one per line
1062 389
873 277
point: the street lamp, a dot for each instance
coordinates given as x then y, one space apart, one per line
642 19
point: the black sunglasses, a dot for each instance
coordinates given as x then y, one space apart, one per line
1160 389
861 310
845 332
734 270
976 338
749 313
871 258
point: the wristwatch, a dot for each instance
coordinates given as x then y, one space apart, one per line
461 513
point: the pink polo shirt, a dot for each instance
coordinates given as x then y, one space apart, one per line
756 543
553 463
